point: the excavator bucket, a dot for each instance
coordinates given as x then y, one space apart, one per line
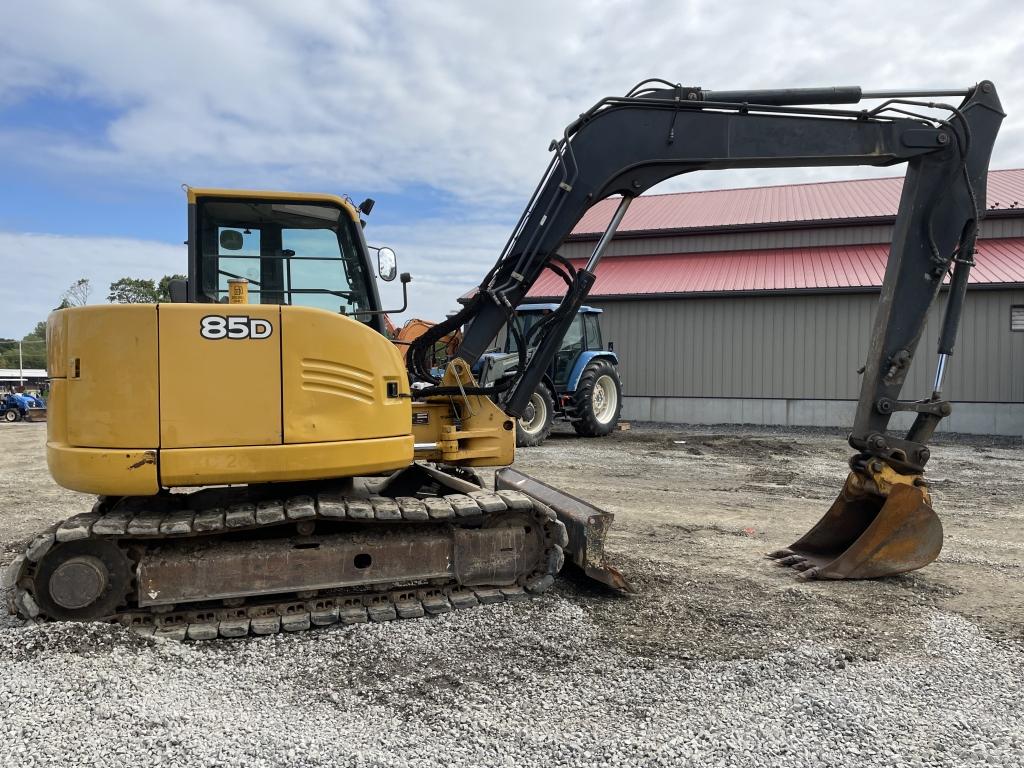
879 526
586 525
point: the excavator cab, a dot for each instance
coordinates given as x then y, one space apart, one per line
295 249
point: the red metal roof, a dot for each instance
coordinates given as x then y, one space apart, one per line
792 203
999 261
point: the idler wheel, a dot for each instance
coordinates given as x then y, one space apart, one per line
78 582
84 580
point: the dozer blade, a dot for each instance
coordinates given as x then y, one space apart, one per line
586 524
878 526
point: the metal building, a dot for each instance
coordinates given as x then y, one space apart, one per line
755 305
12 379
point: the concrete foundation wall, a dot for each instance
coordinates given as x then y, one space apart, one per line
968 418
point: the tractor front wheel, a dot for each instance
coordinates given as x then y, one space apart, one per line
597 400
534 426
12 415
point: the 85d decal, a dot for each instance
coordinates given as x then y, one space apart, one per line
234 327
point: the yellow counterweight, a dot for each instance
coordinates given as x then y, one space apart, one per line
147 396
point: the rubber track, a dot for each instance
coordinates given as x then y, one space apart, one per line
268 616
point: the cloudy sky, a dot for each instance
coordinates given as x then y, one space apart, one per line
442 111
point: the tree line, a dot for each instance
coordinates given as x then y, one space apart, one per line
127 290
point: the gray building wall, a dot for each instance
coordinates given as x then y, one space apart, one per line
774 359
794 359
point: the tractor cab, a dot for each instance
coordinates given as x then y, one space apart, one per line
581 385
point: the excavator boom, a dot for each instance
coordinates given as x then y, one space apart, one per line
624 146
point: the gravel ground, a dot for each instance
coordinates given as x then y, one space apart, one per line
721 660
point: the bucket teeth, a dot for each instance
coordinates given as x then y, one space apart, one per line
791 560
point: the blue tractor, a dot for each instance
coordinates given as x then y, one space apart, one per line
581 385
16 406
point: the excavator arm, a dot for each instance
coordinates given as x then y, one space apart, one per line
624 146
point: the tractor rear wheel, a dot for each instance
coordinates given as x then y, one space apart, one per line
597 400
534 426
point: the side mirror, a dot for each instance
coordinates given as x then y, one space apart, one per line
231 240
387 264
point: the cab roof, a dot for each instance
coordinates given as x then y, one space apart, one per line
194 193
551 307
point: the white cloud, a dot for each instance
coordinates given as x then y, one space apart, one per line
459 96
445 259
46 265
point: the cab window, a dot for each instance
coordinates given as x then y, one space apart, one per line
525 323
569 352
241 263
593 328
301 254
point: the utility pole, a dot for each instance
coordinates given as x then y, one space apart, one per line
21 368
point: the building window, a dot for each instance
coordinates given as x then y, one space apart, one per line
1017 318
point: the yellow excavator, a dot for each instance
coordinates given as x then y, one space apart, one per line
264 459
